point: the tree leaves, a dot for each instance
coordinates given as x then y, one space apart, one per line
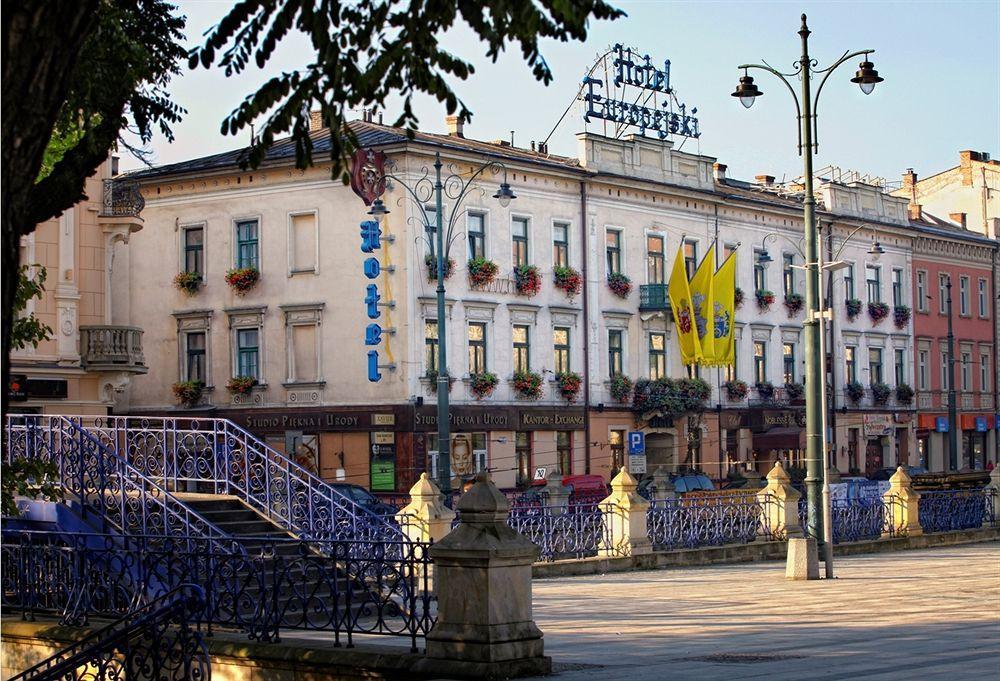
28 330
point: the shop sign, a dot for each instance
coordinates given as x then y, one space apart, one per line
384 438
501 418
17 388
763 420
308 421
982 424
383 462
903 417
731 420
877 425
941 424
383 419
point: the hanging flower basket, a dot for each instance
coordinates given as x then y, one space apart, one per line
482 271
528 384
764 299
880 393
765 390
241 385
619 284
901 316
904 394
794 302
877 312
621 388
853 307
189 282
736 390
243 279
432 377
432 267
188 393
569 385
854 391
483 384
795 391
527 280
568 279
738 297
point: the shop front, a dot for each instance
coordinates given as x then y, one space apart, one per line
932 441
976 429
777 435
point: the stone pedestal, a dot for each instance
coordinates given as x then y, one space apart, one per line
625 517
484 627
995 487
663 486
779 503
753 478
425 518
902 506
803 559
556 496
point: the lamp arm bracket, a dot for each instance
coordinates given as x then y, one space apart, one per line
774 236
830 69
783 77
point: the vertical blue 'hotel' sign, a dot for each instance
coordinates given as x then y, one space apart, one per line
371 241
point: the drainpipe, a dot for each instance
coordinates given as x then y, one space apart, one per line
585 254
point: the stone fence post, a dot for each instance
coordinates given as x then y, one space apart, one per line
663 486
425 518
995 485
624 512
779 503
902 506
556 496
484 626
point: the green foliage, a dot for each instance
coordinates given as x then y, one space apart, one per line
369 50
28 330
33 478
671 397
62 141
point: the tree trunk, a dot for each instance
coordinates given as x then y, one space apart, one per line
42 40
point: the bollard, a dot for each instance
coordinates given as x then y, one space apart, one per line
624 512
902 506
779 503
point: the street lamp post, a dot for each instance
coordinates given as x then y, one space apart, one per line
805 104
457 188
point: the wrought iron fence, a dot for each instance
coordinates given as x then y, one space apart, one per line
162 637
690 522
948 510
859 519
574 531
121 199
344 587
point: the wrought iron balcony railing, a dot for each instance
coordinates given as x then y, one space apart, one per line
112 348
122 199
653 297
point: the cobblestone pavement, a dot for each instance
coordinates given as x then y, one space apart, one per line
927 614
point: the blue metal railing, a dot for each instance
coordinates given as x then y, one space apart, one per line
574 531
690 522
962 509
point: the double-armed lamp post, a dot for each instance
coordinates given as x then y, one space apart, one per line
805 106
421 192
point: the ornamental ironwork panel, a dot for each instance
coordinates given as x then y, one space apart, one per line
578 530
690 522
949 510
121 199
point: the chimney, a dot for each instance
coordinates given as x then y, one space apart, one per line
915 211
719 170
316 121
958 217
456 128
909 178
766 180
543 148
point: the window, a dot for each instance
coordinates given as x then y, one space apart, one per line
522 350
519 237
564 451
430 212
194 354
303 243
247 244
921 291
302 339
654 259
850 364
943 293
560 244
897 287
923 357
899 366
431 345
522 451
657 356
983 310
873 277
475 227
966 371
788 355
729 371
788 273
194 249
944 370
694 371
760 362
477 347
875 365
963 296
560 345
759 272
613 250
849 282
690 257
616 441
984 372
248 353
614 352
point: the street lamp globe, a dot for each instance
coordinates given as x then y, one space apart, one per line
867 77
505 195
378 209
764 259
746 91
876 249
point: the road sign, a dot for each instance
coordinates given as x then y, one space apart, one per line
637 464
636 442
540 473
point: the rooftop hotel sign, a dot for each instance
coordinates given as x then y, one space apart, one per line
638 96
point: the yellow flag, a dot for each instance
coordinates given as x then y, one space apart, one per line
701 299
724 305
680 303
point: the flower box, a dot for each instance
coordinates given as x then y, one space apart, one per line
482 271
483 384
241 385
795 391
621 388
904 394
877 312
853 307
880 393
567 279
854 391
189 282
764 299
901 316
794 302
765 390
188 393
432 378
736 390
432 270
527 280
242 279
738 297
569 385
619 284
528 384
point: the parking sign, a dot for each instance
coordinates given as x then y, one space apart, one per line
636 442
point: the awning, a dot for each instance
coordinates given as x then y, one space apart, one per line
780 438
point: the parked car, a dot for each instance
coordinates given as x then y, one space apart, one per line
692 482
582 488
363 497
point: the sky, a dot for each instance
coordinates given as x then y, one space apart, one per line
939 59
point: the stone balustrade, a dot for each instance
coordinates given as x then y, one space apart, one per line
112 348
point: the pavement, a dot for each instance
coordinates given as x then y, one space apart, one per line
925 614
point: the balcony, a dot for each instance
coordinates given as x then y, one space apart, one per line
653 298
112 348
121 199
937 400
